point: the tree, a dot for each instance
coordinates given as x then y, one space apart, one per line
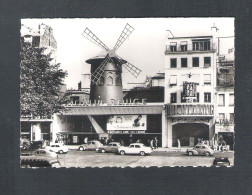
40 83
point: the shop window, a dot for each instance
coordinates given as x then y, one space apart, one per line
173 46
222 117
183 46
173 97
173 80
101 81
183 62
231 99
207 79
173 63
110 81
207 62
221 101
195 62
207 97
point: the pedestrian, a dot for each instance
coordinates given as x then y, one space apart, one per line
178 144
151 144
122 142
156 142
86 140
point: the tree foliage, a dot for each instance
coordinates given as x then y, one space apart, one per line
40 83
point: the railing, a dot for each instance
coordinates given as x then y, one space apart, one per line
187 109
189 48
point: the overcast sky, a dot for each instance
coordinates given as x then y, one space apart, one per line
144 48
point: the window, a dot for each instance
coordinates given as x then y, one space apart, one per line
231 117
173 46
110 81
117 81
101 81
221 101
173 97
221 117
195 62
173 63
196 100
137 146
183 46
207 62
182 98
183 62
207 79
173 80
131 146
207 97
231 99
201 45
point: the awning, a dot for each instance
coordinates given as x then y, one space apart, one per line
112 110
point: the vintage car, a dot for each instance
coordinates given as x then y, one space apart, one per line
111 147
91 145
221 162
38 161
135 148
58 148
45 152
200 149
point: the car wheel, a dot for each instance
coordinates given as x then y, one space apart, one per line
81 149
190 153
207 154
122 152
142 153
103 150
61 152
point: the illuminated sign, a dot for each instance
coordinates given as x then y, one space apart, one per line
127 123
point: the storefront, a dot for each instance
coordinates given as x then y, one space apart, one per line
225 134
125 124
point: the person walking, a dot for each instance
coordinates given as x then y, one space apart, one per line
178 144
151 144
156 142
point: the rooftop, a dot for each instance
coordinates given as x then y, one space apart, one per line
191 37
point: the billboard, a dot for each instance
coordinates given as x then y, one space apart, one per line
127 122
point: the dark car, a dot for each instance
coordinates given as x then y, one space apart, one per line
111 147
38 161
33 145
221 162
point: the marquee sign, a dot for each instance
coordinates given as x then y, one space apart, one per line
127 123
190 120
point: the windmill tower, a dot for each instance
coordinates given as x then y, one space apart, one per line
106 69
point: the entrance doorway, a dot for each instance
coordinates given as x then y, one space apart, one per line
189 133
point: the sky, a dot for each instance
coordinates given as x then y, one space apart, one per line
144 48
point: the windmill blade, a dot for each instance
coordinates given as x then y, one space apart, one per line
91 37
124 35
95 77
130 67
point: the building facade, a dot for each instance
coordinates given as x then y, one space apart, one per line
190 64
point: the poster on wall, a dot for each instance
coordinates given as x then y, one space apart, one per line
127 122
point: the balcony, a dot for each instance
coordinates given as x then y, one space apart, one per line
189 109
190 48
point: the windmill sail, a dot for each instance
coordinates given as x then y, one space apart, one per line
130 67
91 37
124 35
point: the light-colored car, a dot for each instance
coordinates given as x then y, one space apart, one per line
91 145
136 148
58 148
45 152
200 149
111 147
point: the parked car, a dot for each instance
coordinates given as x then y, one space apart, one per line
221 162
111 147
136 148
91 145
200 149
38 161
58 148
45 152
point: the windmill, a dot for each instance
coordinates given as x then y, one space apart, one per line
106 69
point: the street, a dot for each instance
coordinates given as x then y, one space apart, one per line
82 159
